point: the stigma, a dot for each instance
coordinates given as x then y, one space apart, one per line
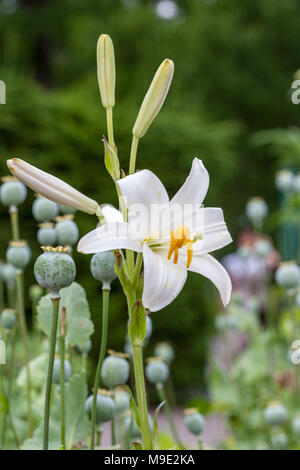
179 239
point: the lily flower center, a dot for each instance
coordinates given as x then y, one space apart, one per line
179 239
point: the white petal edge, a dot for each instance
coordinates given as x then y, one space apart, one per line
195 187
208 266
111 214
109 237
163 280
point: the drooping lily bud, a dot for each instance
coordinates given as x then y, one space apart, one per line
51 187
106 70
154 98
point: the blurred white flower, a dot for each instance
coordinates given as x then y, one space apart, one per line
284 180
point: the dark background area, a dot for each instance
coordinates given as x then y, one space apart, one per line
234 65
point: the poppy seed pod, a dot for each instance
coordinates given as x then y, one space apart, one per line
2 269
35 292
115 370
288 275
12 192
44 210
275 414
46 234
103 268
66 210
106 70
149 327
256 210
8 319
85 347
56 370
262 247
165 352
154 98
194 421
105 407
10 274
284 180
279 440
18 254
157 371
122 399
296 183
54 269
66 231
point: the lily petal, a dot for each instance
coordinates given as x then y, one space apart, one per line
111 214
163 280
194 190
208 266
51 187
215 232
109 237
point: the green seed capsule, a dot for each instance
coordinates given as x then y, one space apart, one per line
44 210
54 270
13 193
103 268
157 371
8 319
194 421
67 232
56 371
35 292
85 347
65 210
10 274
2 271
275 414
105 408
165 352
46 234
122 399
279 440
288 275
115 370
18 254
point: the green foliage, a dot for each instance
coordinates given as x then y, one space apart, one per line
75 393
79 327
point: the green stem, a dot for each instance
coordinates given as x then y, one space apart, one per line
11 296
141 396
110 127
1 295
98 440
62 391
137 269
133 153
14 221
24 332
163 397
105 307
55 310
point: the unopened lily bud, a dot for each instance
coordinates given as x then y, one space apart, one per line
18 254
103 268
157 371
55 269
154 98
12 191
115 370
106 70
194 421
51 187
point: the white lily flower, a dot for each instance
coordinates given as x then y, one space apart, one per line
51 187
174 236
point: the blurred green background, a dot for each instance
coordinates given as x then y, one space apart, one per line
234 65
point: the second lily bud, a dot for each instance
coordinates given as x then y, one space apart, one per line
154 98
106 70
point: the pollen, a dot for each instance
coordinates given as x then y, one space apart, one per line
179 239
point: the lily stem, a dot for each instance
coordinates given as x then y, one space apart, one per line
133 153
163 397
105 307
141 396
55 310
110 127
24 332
